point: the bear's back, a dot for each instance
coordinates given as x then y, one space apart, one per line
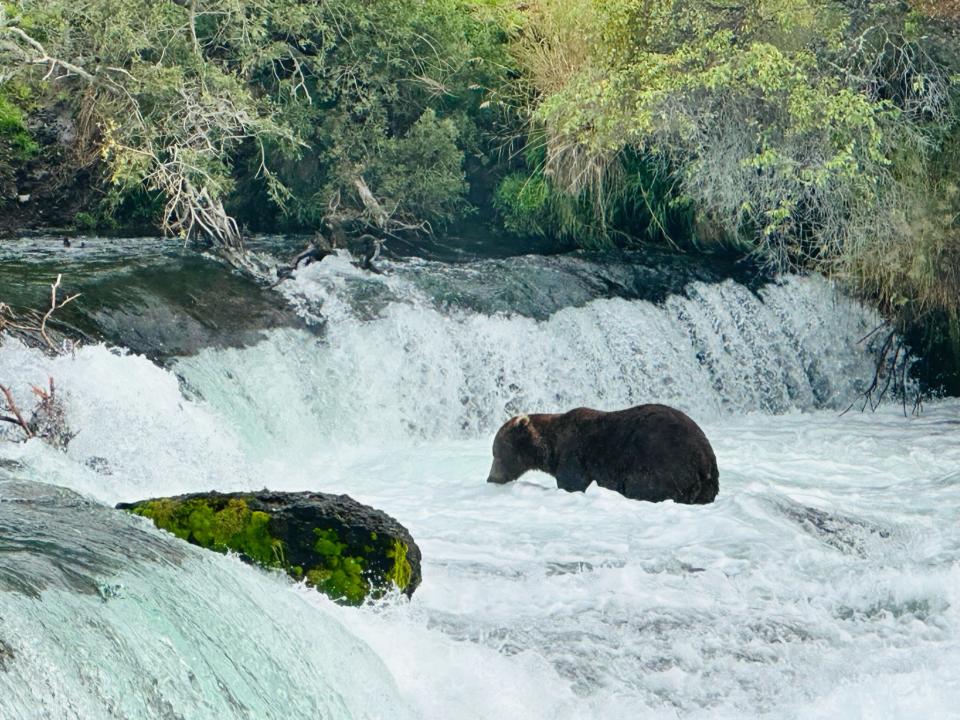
647 452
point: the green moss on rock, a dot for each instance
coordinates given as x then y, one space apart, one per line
347 550
401 572
338 575
231 527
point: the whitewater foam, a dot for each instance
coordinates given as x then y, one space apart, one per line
824 582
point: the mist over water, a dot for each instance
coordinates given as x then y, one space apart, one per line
823 583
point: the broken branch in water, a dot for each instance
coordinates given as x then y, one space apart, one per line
33 327
18 417
889 372
48 420
43 394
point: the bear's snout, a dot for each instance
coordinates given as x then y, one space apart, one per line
497 474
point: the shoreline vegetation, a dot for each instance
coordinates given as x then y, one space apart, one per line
817 135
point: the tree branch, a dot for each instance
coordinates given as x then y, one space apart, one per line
12 406
54 306
44 57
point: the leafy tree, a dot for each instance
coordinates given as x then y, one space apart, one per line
807 131
288 104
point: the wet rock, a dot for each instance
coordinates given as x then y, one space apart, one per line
99 465
151 296
849 535
7 656
9 464
343 548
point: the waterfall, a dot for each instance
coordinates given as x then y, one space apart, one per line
397 362
102 616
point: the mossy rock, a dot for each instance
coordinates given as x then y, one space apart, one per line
343 548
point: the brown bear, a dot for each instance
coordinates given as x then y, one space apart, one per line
648 452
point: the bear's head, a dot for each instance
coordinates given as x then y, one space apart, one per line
518 447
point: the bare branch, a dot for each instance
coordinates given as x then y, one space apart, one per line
373 206
12 406
44 58
54 306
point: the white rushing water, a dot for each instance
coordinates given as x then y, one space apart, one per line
824 582
174 633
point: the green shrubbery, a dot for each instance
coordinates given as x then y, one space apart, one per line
17 146
814 134
13 131
277 109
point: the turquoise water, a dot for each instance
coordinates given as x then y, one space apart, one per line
823 583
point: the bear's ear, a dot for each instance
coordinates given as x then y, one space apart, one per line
530 430
518 421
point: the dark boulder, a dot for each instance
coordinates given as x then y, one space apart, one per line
345 549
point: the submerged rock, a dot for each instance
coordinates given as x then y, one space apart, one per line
343 548
7 655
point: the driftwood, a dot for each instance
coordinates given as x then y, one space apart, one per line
17 418
379 214
369 247
54 306
315 251
31 326
47 421
889 373
380 218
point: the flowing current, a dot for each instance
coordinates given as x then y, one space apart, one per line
824 582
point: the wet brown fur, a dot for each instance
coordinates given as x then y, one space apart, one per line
647 452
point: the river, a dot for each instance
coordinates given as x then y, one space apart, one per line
824 582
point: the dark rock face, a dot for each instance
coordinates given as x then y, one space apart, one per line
45 188
345 549
648 452
149 295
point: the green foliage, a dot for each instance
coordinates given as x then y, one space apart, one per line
84 220
17 146
399 102
638 204
279 105
523 202
436 190
127 209
13 130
